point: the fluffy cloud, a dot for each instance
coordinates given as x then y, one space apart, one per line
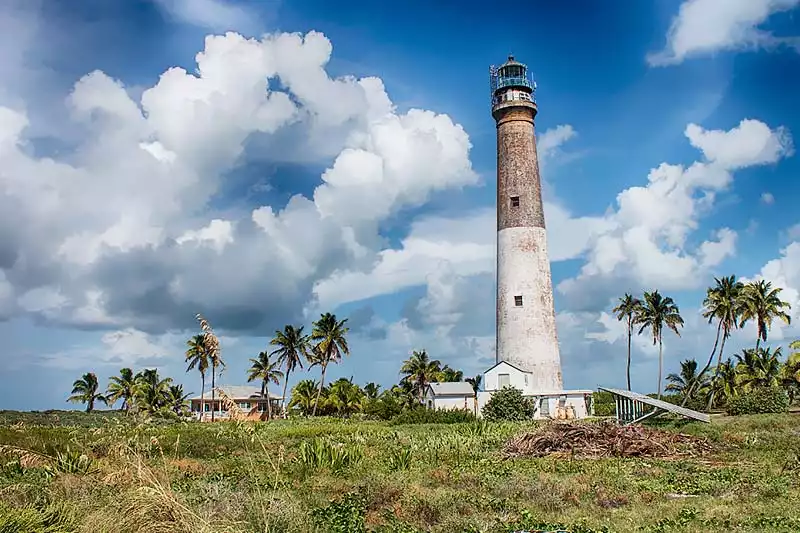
120 233
767 198
465 246
707 26
647 245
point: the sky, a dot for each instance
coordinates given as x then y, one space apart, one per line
261 162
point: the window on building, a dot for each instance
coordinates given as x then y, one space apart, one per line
544 407
562 401
515 201
526 380
503 380
518 301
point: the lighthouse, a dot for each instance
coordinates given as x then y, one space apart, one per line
526 320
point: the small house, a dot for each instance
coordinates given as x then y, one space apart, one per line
248 400
553 404
449 396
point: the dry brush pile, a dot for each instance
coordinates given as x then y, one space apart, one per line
606 439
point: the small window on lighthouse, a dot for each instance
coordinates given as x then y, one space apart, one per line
518 301
515 201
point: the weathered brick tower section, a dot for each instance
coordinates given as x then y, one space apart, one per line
526 322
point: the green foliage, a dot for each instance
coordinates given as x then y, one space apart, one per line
604 404
54 518
421 415
344 516
509 404
319 453
759 400
400 459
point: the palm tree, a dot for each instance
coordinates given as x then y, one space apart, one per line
420 370
761 303
626 310
656 312
476 385
688 381
345 397
176 399
791 371
726 383
449 375
151 391
372 391
84 390
723 304
211 343
759 368
121 387
303 396
197 357
265 370
293 347
331 343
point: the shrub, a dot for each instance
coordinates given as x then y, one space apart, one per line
759 400
344 516
422 415
319 453
604 404
509 404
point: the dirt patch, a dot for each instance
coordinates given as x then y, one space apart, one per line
606 439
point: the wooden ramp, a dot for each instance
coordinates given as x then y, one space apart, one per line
633 407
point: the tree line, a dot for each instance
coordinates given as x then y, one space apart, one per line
144 391
730 305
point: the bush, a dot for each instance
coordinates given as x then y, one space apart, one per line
604 404
422 415
760 400
509 404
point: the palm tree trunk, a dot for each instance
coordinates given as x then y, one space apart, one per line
90 405
202 395
319 391
716 372
630 334
213 386
285 384
660 364
705 368
265 393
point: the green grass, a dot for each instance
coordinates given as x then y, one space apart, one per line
332 475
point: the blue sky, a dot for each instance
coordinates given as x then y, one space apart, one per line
350 167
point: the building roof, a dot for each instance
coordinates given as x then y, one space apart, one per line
455 388
506 362
240 392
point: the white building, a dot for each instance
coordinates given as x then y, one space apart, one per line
554 404
449 396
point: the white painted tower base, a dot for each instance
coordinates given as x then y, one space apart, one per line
526 333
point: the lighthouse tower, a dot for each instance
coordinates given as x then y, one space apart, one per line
526 321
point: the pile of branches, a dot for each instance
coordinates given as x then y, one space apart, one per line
605 439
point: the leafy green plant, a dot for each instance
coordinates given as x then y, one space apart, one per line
759 400
319 453
509 404
400 459
344 516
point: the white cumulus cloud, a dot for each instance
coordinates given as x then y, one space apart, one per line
708 26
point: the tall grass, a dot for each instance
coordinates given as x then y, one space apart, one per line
294 476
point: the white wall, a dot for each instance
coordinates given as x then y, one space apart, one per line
575 404
518 379
448 402
526 335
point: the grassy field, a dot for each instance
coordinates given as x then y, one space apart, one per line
95 473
